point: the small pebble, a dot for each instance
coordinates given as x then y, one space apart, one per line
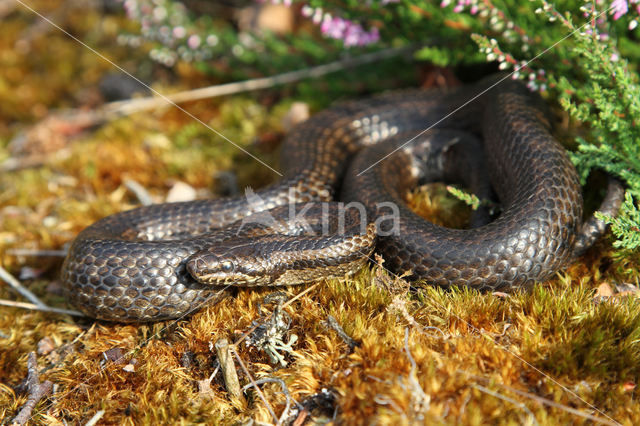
115 355
181 192
46 345
298 113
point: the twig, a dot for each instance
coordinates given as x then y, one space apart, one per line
139 191
9 279
506 398
544 401
18 163
32 307
419 399
333 323
302 416
254 384
37 390
95 419
400 305
285 391
299 295
385 400
117 109
36 252
228 369
120 108
554 404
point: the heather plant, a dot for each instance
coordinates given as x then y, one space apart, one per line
582 54
215 45
593 82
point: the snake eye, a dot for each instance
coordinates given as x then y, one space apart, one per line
227 266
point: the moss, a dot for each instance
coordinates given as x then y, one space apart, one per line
479 358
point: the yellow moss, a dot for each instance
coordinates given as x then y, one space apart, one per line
473 352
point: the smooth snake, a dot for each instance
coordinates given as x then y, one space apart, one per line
167 260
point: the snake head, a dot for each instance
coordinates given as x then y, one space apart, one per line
237 265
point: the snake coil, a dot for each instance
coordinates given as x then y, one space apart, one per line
165 261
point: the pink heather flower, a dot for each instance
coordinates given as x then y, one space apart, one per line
619 8
351 33
332 27
179 32
316 14
461 5
193 41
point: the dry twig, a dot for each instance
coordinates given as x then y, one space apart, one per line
518 404
541 400
36 160
333 323
45 308
9 279
37 391
120 108
285 391
255 385
139 191
95 419
420 401
228 370
36 252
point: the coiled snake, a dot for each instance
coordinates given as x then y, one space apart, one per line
164 261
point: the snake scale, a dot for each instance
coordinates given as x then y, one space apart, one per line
164 261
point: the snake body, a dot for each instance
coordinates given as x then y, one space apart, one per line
164 261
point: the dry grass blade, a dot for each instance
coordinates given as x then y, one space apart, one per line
45 308
255 385
120 108
9 279
518 404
